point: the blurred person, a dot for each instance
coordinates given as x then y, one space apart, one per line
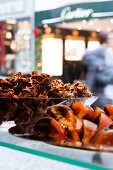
99 64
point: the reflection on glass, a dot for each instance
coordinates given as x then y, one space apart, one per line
52 53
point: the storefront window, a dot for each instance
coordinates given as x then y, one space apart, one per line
15 43
6 53
23 46
74 49
93 45
52 53
38 49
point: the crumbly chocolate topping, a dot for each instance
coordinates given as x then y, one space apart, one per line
40 85
28 95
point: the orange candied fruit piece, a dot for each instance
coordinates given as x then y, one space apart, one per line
109 110
77 107
104 121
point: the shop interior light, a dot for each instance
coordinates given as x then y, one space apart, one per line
13 45
45 25
52 56
26 37
39 64
48 30
9 27
79 27
57 31
84 22
72 58
75 33
93 45
111 21
11 21
8 35
93 34
89 25
98 29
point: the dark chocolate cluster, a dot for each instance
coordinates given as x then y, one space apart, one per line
24 97
40 85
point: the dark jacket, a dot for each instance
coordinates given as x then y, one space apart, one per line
93 60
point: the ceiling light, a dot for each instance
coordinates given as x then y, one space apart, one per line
98 29
75 33
84 22
79 27
8 35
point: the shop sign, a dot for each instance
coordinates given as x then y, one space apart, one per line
77 11
68 14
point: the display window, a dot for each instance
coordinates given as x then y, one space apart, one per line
23 46
93 44
74 48
2 47
52 55
59 52
7 29
15 42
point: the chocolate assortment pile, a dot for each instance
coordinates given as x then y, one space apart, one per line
40 85
25 97
40 107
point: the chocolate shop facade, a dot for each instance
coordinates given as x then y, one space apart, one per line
64 31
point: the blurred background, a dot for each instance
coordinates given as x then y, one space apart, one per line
51 36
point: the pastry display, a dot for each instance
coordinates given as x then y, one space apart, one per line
25 97
47 109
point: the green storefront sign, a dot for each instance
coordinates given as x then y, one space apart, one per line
79 11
